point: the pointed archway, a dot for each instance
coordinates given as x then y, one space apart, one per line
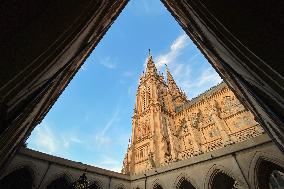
223 181
18 179
269 175
157 186
185 184
59 183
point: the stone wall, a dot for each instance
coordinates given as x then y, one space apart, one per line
241 162
46 168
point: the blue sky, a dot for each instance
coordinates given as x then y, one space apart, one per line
91 120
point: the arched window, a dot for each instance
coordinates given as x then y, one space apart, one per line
223 181
185 184
270 175
60 183
19 179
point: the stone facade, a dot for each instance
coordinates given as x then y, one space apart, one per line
167 127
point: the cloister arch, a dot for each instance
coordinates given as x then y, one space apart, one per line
219 177
157 186
222 181
266 172
183 181
60 182
18 179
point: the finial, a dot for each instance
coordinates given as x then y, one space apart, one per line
149 52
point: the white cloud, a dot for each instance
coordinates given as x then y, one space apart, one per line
108 63
101 138
195 86
175 50
45 139
184 70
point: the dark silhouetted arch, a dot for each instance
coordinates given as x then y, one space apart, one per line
185 184
223 181
157 186
60 183
270 175
18 179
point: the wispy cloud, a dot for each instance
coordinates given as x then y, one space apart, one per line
195 86
102 138
175 50
45 139
183 69
108 62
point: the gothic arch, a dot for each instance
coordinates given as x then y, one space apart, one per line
21 178
157 184
221 173
23 164
183 181
66 176
261 166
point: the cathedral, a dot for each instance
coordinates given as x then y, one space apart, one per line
168 127
209 142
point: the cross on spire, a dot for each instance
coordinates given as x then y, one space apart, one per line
150 64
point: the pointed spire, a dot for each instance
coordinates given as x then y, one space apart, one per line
172 84
150 64
170 80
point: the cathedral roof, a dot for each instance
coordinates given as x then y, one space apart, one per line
201 96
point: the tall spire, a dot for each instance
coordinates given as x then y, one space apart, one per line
170 80
150 64
172 84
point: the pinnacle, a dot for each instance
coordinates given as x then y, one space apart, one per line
150 64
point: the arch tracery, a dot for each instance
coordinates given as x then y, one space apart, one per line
183 181
219 177
266 171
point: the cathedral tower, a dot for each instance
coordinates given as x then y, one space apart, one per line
152 123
